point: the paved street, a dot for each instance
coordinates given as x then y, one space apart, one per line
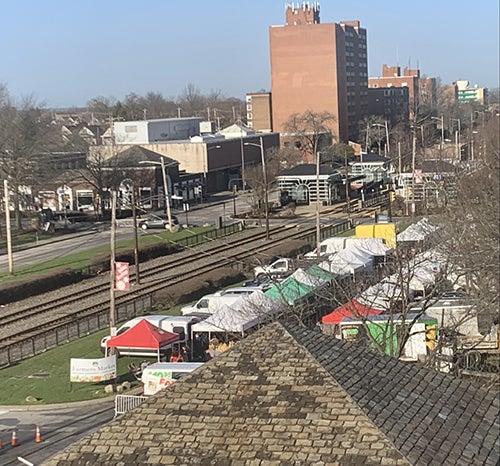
59 427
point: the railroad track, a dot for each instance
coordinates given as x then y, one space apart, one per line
18 325
27 324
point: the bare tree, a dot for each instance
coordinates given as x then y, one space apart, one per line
25 134
310 131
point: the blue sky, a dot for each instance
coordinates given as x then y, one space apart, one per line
66 52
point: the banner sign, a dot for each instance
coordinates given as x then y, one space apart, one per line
122 280
419 177
93 370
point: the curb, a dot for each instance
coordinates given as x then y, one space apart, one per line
74 404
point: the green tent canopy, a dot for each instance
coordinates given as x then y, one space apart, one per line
289 291
318 272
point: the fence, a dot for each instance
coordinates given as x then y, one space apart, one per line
125 403
210 234
80 327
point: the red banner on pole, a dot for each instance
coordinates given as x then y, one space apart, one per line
122 281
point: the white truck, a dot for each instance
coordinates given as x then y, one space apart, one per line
280 267
208 304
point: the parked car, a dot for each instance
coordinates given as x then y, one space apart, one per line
157 221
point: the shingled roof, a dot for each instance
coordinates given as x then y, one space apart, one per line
289 395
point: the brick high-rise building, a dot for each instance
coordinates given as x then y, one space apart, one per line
421 90
318 67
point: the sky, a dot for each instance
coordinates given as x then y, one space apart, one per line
64 53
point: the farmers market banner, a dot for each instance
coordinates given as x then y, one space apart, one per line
93 370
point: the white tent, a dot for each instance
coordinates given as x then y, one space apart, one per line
340 267
416 232
239 316
357 258
307 279
381 295
369 246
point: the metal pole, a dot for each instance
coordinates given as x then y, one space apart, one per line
347 190
243 183
136 238
413 154
7 227
167 194
318 224
387 138
442 132
266 194
112 311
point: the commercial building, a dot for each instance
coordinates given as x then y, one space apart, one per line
391 103
259 111
318 67
421 90
467 94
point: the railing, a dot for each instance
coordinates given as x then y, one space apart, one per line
189 241
80 327
125 403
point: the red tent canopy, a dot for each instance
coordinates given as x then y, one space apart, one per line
143 335
351 309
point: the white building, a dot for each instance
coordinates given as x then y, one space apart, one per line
155 131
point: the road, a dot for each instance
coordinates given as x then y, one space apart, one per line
59 427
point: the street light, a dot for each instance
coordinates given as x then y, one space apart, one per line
457 137
387 146
165 185
266 194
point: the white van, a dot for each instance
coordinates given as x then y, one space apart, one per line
175 324
157 376
238 291
208 304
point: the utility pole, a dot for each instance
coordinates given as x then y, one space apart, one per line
7 227
413 155
167 197
112 271
136 238
266 187
318 225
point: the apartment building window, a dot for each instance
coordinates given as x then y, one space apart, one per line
249 107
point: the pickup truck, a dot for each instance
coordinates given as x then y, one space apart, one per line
280 267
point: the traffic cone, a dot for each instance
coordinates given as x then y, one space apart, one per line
38 437
13 440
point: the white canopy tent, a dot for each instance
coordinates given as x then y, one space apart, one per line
370 246
307 279
381 295
416 232
239 316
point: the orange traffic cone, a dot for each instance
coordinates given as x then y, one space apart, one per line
38 437
13 440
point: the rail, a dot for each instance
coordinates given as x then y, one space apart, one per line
125 403
92 319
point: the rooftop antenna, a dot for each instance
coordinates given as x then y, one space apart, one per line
397 56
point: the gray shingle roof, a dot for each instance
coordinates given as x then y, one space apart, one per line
288 395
